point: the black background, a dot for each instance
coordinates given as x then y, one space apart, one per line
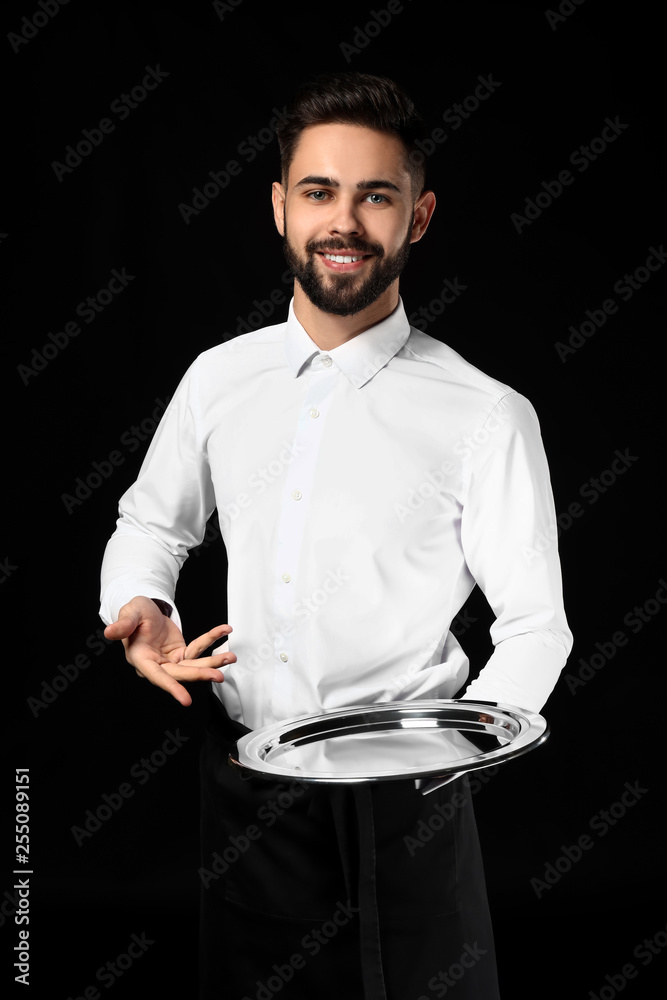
119 208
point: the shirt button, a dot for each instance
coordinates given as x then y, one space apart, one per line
286 577
314 412
283 657
296 494
326 361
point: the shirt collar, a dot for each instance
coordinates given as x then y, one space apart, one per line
360 358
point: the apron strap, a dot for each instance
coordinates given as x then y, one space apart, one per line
371 954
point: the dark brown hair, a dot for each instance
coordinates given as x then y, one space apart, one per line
373 102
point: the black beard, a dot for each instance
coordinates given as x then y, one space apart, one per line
346 294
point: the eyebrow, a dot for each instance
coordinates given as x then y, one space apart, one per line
371 185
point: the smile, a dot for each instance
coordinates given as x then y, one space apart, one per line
342 260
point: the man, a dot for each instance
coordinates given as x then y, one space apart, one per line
366 478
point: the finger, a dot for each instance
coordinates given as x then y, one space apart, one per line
184 670
202 642
160 677
214 662
122 628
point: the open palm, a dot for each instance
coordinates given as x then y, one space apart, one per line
155 647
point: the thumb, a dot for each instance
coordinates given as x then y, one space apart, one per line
124 627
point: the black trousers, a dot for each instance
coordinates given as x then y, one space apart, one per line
367 892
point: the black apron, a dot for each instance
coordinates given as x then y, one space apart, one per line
363 892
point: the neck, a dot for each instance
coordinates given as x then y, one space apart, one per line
329 331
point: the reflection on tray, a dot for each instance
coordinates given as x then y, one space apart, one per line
400 749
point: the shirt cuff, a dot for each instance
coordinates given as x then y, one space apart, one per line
522 671
114 598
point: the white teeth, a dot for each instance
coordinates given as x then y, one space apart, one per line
341 260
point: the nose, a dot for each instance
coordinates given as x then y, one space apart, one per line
344 220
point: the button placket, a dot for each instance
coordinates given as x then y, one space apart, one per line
295 502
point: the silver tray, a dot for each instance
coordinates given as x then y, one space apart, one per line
391 741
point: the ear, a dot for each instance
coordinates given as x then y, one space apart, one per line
423 211
278 198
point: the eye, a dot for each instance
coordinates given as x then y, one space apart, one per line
317 195
374 195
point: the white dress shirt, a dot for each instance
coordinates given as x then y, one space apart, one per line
362 492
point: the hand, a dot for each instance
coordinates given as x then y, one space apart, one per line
158 652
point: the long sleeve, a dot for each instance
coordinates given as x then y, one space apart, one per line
163 514
362 493
509 536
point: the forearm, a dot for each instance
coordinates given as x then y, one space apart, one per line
523 669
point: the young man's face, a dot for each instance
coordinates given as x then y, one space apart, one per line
348 195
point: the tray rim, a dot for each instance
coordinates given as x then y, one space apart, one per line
533 732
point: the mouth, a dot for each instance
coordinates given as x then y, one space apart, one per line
343 262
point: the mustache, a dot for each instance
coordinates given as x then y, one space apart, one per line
353 243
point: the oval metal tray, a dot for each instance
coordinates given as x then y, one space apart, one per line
390 741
